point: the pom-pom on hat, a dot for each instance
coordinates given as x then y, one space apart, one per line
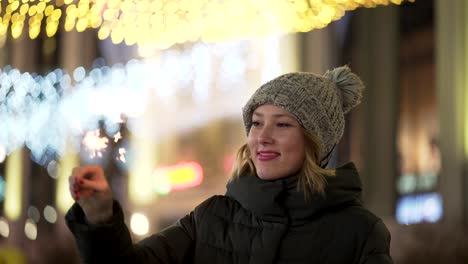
319 103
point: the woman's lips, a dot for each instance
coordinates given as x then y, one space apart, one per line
267 155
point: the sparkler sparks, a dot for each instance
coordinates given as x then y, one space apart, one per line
94 143
121 157
117 137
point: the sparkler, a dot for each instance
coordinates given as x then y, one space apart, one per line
121 157
97 144
94 143
117 137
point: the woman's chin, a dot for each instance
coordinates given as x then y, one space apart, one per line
268 176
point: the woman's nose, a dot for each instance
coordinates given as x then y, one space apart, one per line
266 135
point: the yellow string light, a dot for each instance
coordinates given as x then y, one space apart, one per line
165 22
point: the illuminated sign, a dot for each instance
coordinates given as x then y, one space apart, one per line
418 208
408 184
182 175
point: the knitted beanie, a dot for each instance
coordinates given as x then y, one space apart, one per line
319 103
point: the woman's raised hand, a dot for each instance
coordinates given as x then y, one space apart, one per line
90 189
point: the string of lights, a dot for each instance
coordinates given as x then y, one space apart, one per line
162 23
58 104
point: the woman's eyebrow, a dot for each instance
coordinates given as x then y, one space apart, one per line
274 115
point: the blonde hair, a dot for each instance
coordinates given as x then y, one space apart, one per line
312 178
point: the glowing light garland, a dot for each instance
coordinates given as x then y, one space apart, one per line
47 113
165 22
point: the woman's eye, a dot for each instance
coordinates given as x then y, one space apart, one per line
255 123
284 125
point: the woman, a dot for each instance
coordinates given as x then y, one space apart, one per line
282 205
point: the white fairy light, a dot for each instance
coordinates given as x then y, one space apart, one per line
60 109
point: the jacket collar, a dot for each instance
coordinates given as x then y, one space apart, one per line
280 200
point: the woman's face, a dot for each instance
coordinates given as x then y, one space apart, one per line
276 143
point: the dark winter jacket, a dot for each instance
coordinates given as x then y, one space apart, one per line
255 222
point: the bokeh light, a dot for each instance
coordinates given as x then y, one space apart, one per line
4 227
50 214
139 224
163 23
52 169
33 214
30 229
60 110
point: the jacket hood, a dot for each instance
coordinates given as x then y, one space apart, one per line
280 200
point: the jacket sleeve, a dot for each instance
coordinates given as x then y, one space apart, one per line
377 246
112 243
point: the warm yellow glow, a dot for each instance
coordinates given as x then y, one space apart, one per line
63 199
9 254
180 176
139 224
461 66
183 175
465 111
140 184
166 22
13 190
162 182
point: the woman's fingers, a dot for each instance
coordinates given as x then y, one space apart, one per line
74 192
95 185
88 172
74 188
87 180
92 172
89 188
